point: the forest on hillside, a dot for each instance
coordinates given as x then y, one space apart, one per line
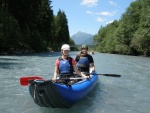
31 26
130 35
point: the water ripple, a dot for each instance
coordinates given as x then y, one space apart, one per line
127 94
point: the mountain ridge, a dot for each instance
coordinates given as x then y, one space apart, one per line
82 38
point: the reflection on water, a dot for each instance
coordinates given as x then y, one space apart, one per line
7 65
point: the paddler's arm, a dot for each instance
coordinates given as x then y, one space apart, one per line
55 74
92 67
91 60
78 72
55 70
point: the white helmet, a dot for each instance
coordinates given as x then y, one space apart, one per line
65 47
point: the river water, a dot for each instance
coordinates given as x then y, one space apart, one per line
128 94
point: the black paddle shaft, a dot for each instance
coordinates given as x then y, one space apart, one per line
109 75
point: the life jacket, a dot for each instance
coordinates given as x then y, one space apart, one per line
83 64
65 66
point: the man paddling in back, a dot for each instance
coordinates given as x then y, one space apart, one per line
65 65
85 61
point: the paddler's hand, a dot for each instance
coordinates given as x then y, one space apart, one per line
92 71
54 79
84 76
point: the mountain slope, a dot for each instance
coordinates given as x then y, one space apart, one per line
82 38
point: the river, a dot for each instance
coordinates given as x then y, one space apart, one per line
128 94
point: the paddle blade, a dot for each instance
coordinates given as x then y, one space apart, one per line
24 81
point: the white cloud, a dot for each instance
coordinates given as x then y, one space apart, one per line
105 13
109 22
112 3
89 12
99 19
89 3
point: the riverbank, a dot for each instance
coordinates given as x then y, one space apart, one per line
19 52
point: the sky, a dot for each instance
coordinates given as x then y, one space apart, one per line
89 15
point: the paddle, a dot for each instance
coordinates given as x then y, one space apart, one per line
24 81
109 75
72 78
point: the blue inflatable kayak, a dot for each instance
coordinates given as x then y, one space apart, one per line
55 95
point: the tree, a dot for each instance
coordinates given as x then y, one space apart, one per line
105 38
9 30
61 29
130 35
140 43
